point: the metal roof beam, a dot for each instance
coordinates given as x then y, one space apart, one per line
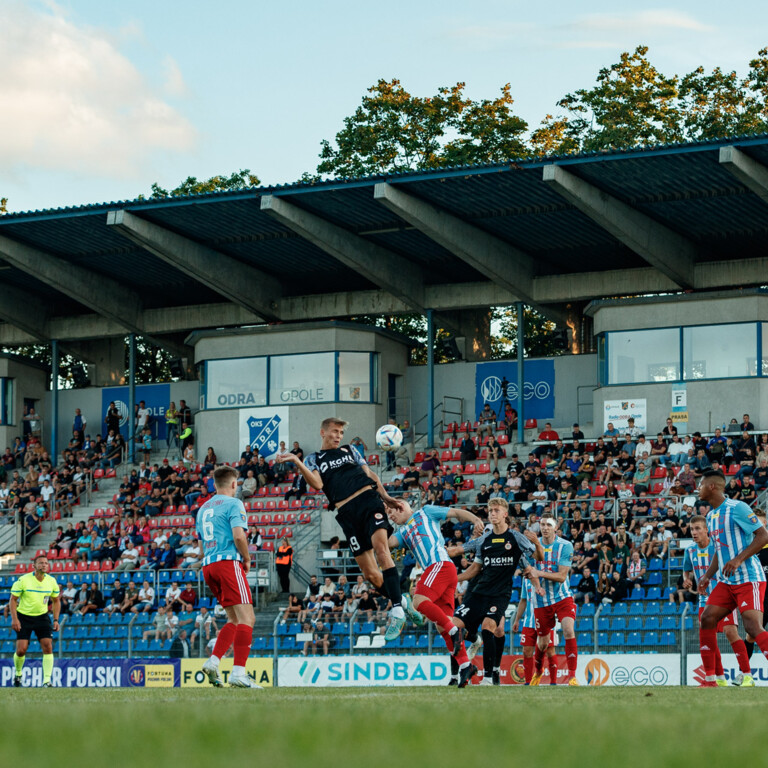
23 310
749 172
104 295
662 248
249 287
388 270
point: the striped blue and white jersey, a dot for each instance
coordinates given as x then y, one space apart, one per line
529 620
732 527
216 520
422 535
559 552
698 560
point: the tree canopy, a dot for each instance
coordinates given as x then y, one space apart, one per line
242 179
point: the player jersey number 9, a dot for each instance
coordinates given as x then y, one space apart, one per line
207 525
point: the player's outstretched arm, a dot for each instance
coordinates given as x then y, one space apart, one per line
534 539
385 497
241 542
311 476
465 516
470 573
455 550
758 543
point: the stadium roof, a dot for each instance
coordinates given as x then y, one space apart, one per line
552 233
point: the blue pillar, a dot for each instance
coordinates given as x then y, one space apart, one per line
520 373
430 378
54 401
131 397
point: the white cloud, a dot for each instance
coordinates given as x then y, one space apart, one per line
71 101
641 22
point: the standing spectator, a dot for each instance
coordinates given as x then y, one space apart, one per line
486 420
79 422
171 425
407 449
143 415
283 562
112 418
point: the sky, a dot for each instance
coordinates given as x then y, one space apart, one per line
98 99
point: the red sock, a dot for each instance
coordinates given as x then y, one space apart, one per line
433 613
762 643
552 660
707 646
740 649
719 671
243 640
538 659
571 655
528 668
448 641
224 640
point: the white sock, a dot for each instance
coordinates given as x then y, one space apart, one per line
397 611
238 671
214 660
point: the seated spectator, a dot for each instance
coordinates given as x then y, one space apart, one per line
367 605
131 597
760 475
292 609
116 597
732 488
146 599
193 556
429 466
173 597
636 570
68 597
299 487
94 602
746 424
616 589
611 431
642 478
320 640
164 625
586 589
205 625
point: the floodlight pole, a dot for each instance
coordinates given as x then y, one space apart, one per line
430 378
132 397
520 373
54 400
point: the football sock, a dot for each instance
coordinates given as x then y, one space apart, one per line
18 663
740 649
707 645
433 613
500 642
47 667
552 661
454 667
242 643
719 671
223 642
391 585
762 642
489 652
750 646
571 655
528 668
538 659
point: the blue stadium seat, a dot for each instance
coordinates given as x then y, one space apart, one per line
653 593
396 643
603 623
259 644
650 639
584 625
141 646
115 646
517 582
8 647
653 580
409 642
652 622
634 638
340 628
437 642
587 610
71 646
121 631
652 608
103 618
89 618
584 640
282 629
288 643
669 623
155 646
618 624
670 609
80 633
108 633
602 639
669 638
515 596
616 639
423 641
636 609
636 594
675 563
517 641
86 646
688 622
620 609
574 580
607 609
655 564
669 591
74 619
635 623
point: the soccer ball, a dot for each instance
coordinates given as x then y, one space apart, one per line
389 437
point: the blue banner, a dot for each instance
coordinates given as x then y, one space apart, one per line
97 673
156 396
539 387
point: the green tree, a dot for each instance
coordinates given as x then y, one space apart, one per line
539 339
393 131
242 179
3 205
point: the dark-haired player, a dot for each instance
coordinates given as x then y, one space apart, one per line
739 582
486 606
762 556
357 494
30 594
221 527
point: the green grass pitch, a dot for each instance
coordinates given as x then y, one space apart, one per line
393 727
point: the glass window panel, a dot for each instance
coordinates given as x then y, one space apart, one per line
720 351
636 356
764 351
302 378
355 377
237 382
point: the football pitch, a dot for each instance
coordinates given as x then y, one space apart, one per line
389 727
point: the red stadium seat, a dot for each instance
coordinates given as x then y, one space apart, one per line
484 469
296 503
110 472
21 568
291 518
153 522
531 424
189 520
656 488
253 519
598 504
266 520
282 504
52 554
169 510
41 553
468 485
456 456
502 439
446 456
110 512
447 442
599 490
94 566
268 546
279 519
271 533
305 518
107 565
658 472
734 468
178 521
98 512
483 456
165 522
418 458
470 469
98 473
270 505
183 509
257 505
57 567
373 459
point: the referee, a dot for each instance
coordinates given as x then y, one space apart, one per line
29 613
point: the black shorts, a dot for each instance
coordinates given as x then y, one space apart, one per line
360 518
40 625
475 608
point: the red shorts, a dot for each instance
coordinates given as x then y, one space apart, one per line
547 616
228 582
438 584
744 597
731 618
528 636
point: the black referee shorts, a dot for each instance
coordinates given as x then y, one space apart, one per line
40 625
360 518
476 608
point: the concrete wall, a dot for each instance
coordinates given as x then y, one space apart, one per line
29 381
458 380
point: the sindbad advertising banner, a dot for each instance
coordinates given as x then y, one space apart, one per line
97 673
359 671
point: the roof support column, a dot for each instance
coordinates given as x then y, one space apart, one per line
749 172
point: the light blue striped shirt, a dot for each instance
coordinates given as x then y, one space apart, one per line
732 527
422 534
215 521
559 552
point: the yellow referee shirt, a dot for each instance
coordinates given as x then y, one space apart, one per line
33 595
